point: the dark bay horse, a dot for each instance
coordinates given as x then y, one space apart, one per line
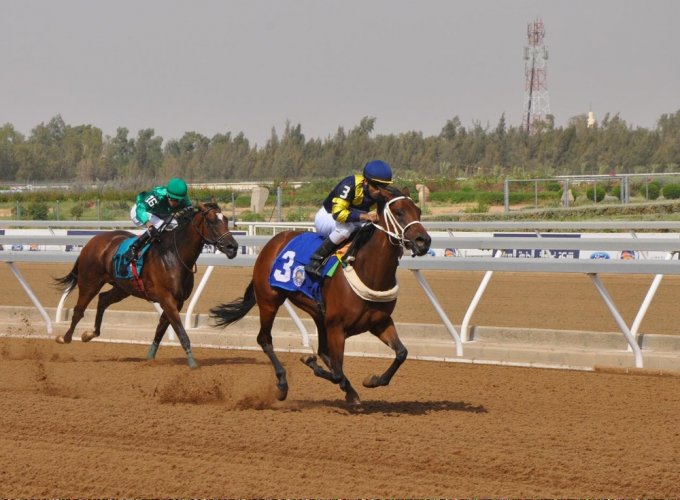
167 273
379 247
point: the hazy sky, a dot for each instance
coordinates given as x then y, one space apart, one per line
230 65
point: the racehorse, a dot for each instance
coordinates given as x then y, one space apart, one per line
167 275
377 250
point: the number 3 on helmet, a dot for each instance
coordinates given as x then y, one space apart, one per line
378 171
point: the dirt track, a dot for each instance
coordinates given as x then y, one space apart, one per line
97 420
568 302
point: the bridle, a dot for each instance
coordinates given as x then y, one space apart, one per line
393 229
220 216
204 239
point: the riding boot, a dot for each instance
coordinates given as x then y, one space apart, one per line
315 265
131 254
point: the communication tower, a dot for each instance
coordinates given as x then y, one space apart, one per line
536 103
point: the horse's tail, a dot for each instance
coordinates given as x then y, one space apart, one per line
226 314
68 282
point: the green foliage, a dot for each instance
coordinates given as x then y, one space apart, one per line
300 215
671 191
249 216
242 201
77 211
38 210
64 153
595 193
653 190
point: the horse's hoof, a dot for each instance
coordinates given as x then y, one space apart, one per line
60 339
372 381
308 360
353 399
152 352
87 336
192 363
282 393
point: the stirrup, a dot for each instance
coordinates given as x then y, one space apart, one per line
314 270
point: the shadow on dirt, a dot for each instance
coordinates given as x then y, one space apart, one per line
183 361
395 407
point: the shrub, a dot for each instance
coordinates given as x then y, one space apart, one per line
299 215
671 191
38 210
249 216
77 211
653 190
595 193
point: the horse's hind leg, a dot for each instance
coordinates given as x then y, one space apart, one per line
389 336
264 339
336 352
85 296
116 294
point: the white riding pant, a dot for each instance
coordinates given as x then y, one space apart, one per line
336 231
154 219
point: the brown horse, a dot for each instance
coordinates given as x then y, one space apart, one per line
167 274
378 248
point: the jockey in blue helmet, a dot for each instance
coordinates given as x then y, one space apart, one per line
346 207
153 207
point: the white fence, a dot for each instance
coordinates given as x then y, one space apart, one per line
485 252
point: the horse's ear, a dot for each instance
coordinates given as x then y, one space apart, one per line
406 191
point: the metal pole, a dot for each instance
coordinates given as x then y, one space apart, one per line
536 194
506 194
278 204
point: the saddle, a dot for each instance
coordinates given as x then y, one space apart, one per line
121 265
288 270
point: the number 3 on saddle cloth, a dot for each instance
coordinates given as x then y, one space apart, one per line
121 265
288 271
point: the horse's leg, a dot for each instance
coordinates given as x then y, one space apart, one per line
171 308
85 295
335 339
162 327
264 339
322 350
116 294
388 335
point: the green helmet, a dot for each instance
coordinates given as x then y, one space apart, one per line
177 189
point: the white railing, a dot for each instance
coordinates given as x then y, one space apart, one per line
668 244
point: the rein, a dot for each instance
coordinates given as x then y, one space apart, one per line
392 228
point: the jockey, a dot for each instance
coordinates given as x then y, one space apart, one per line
347 206
152 208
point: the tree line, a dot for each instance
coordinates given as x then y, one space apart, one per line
56 151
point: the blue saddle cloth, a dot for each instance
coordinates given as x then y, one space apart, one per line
121 265
288 270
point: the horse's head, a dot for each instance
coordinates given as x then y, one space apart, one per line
400 219
213 227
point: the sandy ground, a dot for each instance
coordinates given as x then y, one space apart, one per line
98 420
561 301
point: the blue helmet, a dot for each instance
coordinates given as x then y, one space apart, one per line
378 171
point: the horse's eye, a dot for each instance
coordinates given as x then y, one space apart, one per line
399 213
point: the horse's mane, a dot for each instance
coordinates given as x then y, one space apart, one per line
394 193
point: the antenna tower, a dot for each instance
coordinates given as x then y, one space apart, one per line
536 103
